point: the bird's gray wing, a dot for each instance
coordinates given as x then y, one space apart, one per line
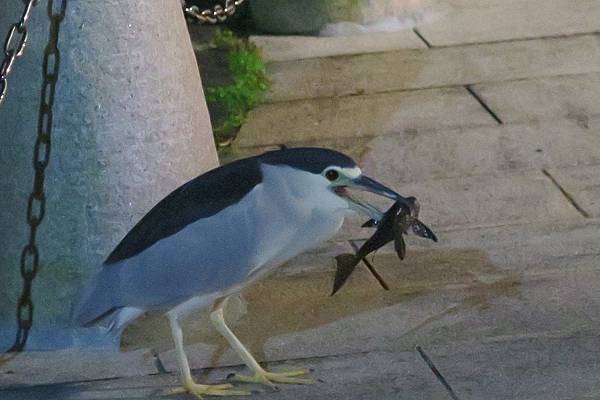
201 197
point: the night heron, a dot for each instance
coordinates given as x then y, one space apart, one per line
218 233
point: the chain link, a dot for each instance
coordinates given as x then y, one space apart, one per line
215 15
36 205
14 46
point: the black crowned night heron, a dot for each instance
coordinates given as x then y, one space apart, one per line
218 233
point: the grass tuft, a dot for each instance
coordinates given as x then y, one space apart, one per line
249 80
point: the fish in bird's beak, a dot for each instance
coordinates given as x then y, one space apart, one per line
391 226
367 184
363 182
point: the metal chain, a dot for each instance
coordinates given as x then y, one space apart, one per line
36 206
216 14
14 46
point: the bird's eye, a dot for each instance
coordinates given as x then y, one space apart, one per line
332 175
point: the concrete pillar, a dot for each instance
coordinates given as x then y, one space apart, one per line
130 125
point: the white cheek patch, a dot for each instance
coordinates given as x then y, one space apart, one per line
351 172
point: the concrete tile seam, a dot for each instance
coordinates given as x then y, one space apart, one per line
503 339
467 44
483 104
521 39
557 334
474 227
253 149
491 174
267 100
568 196
300 142
536 78
437 373
297 359
12 387
391 91
442 87
420 35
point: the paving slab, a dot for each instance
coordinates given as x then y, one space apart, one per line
516 367
416 156
487 199
475 21
37 368
516 197
366 375
542 99
473 176
528 247
286 48
527 368
437 67
361 116
582 184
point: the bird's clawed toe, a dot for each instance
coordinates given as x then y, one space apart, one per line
208 390
270 378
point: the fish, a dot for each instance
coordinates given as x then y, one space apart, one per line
392 226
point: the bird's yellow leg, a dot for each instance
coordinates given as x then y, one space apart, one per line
260 375
189 386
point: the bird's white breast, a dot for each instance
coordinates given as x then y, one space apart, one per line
295 211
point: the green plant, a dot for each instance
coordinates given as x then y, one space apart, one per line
249 80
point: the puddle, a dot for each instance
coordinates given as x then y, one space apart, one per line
282 305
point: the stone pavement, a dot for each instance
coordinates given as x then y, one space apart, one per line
491 117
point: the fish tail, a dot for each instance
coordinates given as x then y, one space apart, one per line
345 265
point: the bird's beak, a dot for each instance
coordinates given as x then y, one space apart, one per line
370 185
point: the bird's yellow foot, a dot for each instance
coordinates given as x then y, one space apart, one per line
270 378
208 390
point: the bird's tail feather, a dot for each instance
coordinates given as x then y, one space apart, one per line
100 305
97 303
115 321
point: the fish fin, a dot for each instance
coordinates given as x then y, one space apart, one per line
345 266
369 224
400 246
400 226
422 230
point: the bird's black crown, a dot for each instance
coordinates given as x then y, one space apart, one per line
311 159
